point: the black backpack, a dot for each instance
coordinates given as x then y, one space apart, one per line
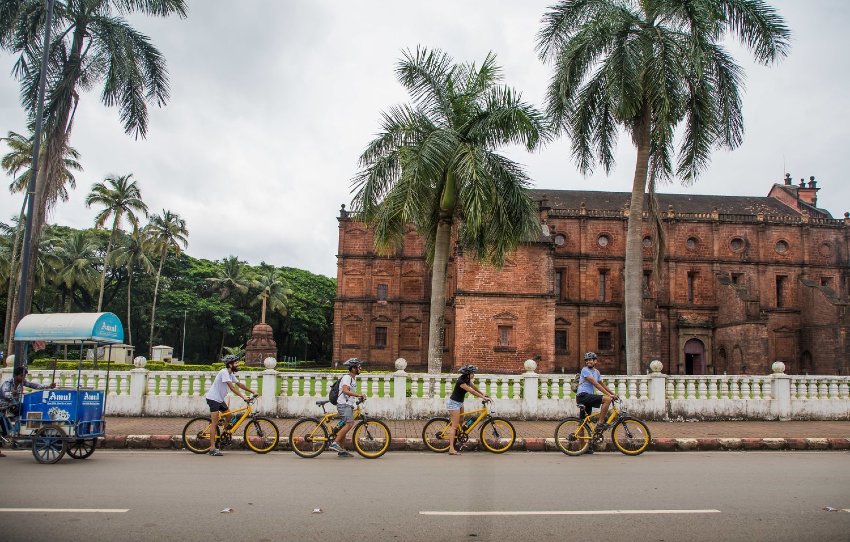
333 394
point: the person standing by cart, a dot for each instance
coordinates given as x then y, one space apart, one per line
225 380
10 393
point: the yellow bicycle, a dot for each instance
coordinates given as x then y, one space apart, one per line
261 434
574 436
310 437
497 434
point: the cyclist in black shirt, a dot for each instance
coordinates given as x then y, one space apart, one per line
454 403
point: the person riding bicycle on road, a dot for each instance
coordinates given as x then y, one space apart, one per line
225 380
454 404
589 380
345 404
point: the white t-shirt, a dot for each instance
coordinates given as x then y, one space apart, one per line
219 389
344 399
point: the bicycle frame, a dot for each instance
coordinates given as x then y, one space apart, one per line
332 428
481 414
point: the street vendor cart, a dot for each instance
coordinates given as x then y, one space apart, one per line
64 419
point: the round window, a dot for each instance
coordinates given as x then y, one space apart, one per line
647 242
736 244
560 240
781 247
691 243
603 241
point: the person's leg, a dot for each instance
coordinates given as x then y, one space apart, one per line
346 416
214 415
603 410
454 426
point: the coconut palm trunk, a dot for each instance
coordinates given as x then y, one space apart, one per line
155 292
14 277
436 328
129 294
115 223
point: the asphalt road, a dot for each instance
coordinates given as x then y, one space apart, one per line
666 496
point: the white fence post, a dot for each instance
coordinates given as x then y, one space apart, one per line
399 398
138 388
657 391
530 391
268 393
781 391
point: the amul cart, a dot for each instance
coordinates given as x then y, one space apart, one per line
65 419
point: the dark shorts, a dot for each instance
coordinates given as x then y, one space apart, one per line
589 400
215 406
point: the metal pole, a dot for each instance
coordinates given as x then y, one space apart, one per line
23 309
183 353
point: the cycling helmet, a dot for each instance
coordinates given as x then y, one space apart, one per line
466 369
228 359
352 362
589 356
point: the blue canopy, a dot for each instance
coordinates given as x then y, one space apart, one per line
96 327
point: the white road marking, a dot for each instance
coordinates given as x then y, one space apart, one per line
562 512
69 510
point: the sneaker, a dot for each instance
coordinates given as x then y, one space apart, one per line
600 428
344 453
589 450
336 447
216 452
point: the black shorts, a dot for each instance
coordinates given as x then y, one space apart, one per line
589 400
215 406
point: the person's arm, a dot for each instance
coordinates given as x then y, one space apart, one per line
246 388
346 390
474 391
37 386
600 386
235 390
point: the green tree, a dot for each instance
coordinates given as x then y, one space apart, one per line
231 277
74 266
120 197
168 232
434 164
133 255
650 67
272 286
91 43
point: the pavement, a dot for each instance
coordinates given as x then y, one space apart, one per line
164 433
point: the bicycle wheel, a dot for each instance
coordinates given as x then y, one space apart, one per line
196 435
435 434
261 435
631 436
572 436
371 438
81 448
48 444
308 437
498 435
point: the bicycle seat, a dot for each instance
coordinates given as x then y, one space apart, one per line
582 410
320 403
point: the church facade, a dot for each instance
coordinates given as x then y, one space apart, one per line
745 281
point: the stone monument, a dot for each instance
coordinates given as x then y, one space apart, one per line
261 345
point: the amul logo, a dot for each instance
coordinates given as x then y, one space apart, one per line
109 329
90 396
59 396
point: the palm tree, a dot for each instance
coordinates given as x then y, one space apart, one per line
167 232
73 266
92 43
435 165
651 66
230 278
121 198
133 254
273 287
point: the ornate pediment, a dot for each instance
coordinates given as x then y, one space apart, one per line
505 316
352 317
784 329
562 322
411 320
605 323
356 231
354 273
381 318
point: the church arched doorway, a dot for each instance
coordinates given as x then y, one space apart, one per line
694 357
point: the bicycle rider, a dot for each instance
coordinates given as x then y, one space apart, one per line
590 380
454 404
345 404
225 380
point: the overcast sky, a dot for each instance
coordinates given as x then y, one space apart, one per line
272 101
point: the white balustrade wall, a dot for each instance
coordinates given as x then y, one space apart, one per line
402 395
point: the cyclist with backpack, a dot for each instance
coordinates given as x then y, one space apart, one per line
454 404
345 403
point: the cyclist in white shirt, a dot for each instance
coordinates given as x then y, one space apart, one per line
225 381
345 404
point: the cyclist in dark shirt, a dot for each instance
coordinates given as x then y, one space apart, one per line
454 403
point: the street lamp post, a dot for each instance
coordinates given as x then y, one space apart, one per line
23 287
183 352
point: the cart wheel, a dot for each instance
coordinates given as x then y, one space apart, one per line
81 448
48 444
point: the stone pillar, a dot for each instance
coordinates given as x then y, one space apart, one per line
400 390
657 390
530 390
260 346
138 388
268 393
780 406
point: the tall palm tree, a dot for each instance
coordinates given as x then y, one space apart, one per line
274 288
121 198
92 43
650 67
74 266
18 163
230 278
168 232
134 254
435 165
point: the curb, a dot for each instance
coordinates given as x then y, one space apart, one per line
531 444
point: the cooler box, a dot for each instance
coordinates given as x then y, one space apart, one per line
78 412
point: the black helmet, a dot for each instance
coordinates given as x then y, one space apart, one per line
352 362
466 369
589 356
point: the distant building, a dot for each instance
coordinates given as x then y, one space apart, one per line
746 281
